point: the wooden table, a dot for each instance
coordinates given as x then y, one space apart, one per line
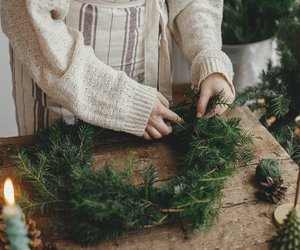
245 222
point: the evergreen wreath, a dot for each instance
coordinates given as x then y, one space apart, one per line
103 204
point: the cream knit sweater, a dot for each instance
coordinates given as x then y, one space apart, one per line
68 71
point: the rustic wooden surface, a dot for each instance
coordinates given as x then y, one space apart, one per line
245 221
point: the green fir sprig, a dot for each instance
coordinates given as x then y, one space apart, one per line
279 90
91 205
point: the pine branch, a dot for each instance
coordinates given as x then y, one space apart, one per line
279 89
279 106
289 141
36 175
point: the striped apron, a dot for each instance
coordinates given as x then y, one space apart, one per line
128 35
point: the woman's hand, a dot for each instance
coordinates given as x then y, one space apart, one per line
156 127
211 86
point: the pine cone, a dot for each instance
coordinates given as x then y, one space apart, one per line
35 242
34 235
3 239
49 246
273 189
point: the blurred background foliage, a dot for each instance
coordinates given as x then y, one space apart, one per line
249 21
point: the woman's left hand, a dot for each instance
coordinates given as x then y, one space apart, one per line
211 86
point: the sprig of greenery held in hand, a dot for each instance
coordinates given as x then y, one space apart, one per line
95 205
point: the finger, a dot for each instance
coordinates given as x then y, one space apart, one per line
202 103
153 132
170 115
219 109
147 136
162 127
231 98
163 100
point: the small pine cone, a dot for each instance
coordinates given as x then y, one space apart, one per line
35 241
273 189
34 235
3 238
49 246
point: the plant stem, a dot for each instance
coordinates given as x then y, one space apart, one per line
194 202
214 179
42 203
297 189
37 179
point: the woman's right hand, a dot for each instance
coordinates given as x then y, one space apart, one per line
156 127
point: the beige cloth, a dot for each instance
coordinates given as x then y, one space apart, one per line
71 74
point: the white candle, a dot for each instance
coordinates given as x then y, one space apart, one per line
9 197
12 214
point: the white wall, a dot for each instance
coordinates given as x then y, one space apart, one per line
8 126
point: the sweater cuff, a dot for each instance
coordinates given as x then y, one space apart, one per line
202 68
141 105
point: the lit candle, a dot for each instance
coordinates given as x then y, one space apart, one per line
12 214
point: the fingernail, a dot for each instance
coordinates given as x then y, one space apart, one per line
199 115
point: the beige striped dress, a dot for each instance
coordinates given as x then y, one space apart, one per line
120 36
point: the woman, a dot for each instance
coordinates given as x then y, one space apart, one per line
86 57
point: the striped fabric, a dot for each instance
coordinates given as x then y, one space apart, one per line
30 101
116 31
116 34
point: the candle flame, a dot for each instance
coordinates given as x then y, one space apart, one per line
9 194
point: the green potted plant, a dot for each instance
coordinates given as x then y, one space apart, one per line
248 30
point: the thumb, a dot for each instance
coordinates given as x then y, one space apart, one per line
202 103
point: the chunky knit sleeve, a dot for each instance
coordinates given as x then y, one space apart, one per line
69 72
196 26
